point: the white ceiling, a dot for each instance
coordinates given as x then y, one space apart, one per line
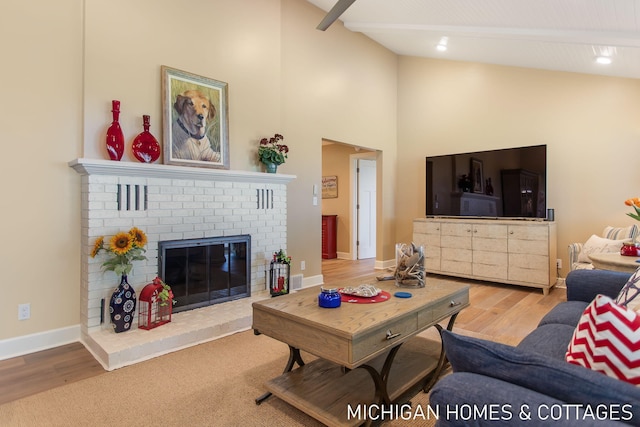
561 35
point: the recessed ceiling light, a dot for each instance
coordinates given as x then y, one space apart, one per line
442 46
605 60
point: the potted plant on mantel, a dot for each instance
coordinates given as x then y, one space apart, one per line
272 152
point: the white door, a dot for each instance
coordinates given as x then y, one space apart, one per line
366 208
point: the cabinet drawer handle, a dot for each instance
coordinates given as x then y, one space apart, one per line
391 335
454 304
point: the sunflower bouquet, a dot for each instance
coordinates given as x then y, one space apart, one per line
124 247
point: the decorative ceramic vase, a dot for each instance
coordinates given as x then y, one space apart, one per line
115 138
145 146
270 167
122 306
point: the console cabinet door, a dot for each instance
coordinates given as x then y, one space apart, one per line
427 235
490 258
529 254
456 249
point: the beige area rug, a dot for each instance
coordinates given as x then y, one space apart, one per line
212 384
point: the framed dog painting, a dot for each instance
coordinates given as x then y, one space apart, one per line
196 123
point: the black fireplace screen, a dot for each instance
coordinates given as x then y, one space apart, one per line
206 271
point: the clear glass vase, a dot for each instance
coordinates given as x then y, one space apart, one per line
409 271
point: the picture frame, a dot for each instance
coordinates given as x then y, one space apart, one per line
195 120
477 176
329 187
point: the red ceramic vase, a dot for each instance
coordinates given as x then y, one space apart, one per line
145 146
115 138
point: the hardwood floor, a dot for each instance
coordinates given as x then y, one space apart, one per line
498 312
32 373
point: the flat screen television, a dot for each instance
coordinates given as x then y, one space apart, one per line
503 183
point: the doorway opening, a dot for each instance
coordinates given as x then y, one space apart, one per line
354 199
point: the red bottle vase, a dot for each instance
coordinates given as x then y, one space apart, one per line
145 146
115 138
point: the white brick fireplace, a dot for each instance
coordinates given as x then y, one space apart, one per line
172 203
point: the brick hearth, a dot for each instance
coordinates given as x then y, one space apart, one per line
172 203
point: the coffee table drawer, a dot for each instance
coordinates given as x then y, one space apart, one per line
443 309
378 341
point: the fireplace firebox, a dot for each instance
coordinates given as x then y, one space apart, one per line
206 271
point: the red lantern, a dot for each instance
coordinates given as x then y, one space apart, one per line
154 311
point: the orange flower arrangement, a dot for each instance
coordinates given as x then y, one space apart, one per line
125 248
635 203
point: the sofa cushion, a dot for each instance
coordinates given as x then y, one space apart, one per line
555 378
566 313
607 340
598 245
618 233
549 340
585 285
629 295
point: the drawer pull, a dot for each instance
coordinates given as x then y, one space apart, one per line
391 335
454 304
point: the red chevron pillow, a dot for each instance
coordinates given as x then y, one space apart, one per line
607 340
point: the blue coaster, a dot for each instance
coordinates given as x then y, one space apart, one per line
402 295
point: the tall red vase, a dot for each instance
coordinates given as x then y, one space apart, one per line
115 138
145 146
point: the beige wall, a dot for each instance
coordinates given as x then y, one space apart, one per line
591 126
41 110
335 162
329 92
64 64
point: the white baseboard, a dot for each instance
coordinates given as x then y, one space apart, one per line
19 346
383 265
312 281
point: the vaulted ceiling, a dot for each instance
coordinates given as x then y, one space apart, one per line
561 35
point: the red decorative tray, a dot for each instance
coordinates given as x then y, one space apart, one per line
381 297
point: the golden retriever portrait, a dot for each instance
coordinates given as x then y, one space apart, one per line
189 129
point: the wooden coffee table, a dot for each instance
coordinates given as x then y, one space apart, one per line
378 338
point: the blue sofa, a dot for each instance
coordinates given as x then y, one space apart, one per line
531 384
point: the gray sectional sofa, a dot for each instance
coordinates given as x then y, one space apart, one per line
531 384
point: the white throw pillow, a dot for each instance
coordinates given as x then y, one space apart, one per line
599 245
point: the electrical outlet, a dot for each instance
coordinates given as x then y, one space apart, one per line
24 311
302 265
559 263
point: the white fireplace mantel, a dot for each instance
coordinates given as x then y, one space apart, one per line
155 170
